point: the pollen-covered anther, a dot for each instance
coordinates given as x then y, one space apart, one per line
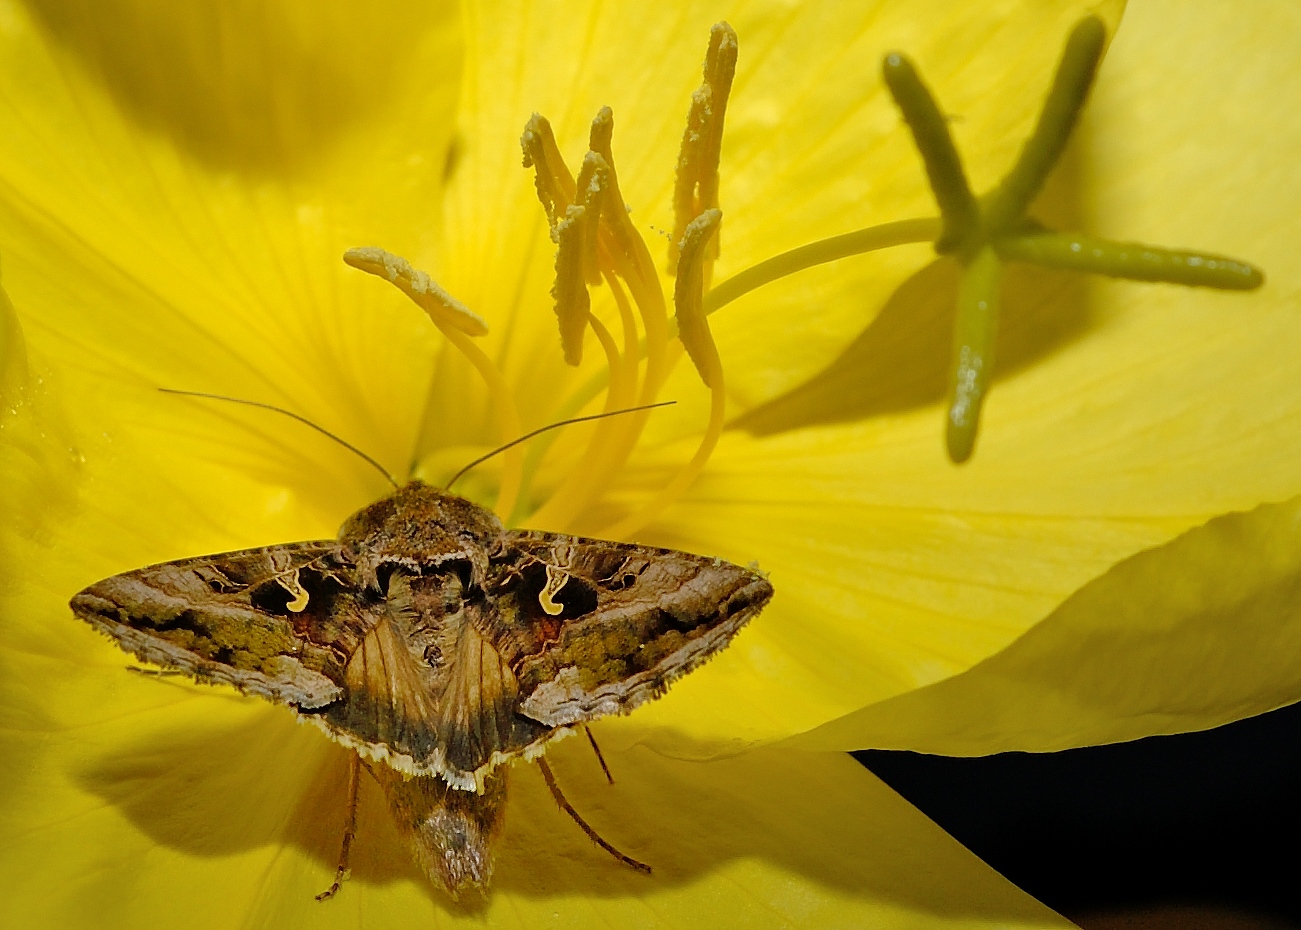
441 306
572 303
696 186
593 180
688 293
555 185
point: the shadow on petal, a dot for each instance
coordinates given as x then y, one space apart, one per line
901 361
257 87
762 825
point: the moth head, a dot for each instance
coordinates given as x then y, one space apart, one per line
420 527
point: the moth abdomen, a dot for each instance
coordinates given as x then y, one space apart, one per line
450 832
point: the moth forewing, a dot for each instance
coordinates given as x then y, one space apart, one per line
436 644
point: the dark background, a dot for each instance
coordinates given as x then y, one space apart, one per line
1200 830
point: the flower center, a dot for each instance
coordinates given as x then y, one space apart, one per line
598 244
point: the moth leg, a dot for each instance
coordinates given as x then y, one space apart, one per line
155 672
342 872
599 758
595 837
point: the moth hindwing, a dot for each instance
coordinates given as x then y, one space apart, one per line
435 644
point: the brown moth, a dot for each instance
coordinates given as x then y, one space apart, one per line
436 644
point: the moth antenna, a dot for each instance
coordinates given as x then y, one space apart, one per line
543 429
342 871
301 419
599 758
595 837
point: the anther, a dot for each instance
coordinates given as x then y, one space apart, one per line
554 182
572 304
631 257
593 178
696 188
693 329
422 289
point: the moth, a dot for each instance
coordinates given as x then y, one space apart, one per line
437 645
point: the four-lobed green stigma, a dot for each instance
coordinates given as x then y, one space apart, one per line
983 233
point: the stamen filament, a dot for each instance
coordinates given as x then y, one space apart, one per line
632 258
632 349
683 479
1130 260
973 351
456 322
1075 74
622 384
846 245
688 297
503 405
958 207
612 360
699 343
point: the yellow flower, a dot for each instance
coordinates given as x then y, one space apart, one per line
177 185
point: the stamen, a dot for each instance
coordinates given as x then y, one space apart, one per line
572 304
554 182
958 206
593 177
611 443
452 319
1075 74
696 189
784 264
694 332
973 351
628 249
688 295
442 307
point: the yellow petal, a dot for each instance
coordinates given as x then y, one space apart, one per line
162 224
152 802
1126 415
1193 634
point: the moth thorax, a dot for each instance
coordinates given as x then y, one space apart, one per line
450 832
